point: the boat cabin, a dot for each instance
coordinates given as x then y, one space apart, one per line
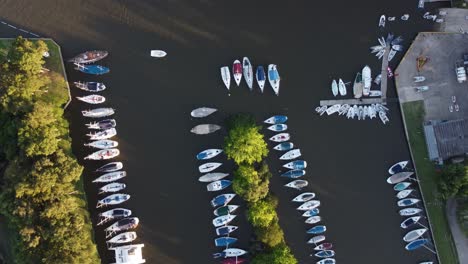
130 254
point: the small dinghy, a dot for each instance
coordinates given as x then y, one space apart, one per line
277 119
237 71
211 177
103 144
398 167
202 112
92 99
224 241
304 197
113 199
98 112
122 225
294 174
403 194
327 261
223 220
312 212
313 219
399 177
382 21
296 165
208 154
126 237
204 129
309 205
111 176
278 127
324 246
226 76
112 187
158 53
325 254
218 185
225 230
113 214
317 229
375 93
391 54
225 210
210 166
401 186
334 88
297 184
274 78
316 239
292 154
410 221
103 124
248 72
284 146
342 87
260 76
92 69
222 199
230 252
235 260
105 134
281 137
415 234
89 56
419 79
109 167
407 202
416 244
103 154
90 86
409 211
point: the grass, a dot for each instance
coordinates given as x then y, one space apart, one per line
413 113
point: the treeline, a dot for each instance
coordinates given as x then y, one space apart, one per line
39 195
246 146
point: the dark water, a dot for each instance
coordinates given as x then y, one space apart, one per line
311 42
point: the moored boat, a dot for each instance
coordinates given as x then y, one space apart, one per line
357 86
237 71
410 221
158 53
294 174
218 185
414 234
98 112
324 246
226 76
407 202
325 254
316 239
297 184
222 199
202 112
248 72
296 165
113 199
278 127
105 134
230 252
260 76
113 214
317 229
103 124
309 205
277 119
89 56
399 177
234 260
103 144
312 212
90 86
382 21
111 176
225 210
334 88
126 237
92 99
398 167
327 261
225 230
103 154
341 87
225 241
208 154
122 225
109 167
401 186
292 154
92 69
210 166
409 211
313 219
416 244
304 197
403 194
367 79
284 146
274 78
223 220
214 176
375 93
204 129
112 187
281 137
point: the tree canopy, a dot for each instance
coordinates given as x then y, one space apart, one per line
454 181
248 184
262 213
280 254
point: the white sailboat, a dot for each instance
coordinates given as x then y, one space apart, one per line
248 72
92 99
382 21
158 53
367 79
226 76
342 87
126 237
274 78
334 88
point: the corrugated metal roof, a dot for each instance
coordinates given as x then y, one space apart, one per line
431 142
447 139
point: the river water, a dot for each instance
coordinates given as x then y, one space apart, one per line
311 42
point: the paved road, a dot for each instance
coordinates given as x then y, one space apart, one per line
461 242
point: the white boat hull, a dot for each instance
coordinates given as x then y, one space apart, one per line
248 72
226 76
275 83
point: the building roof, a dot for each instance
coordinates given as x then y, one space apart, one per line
446 139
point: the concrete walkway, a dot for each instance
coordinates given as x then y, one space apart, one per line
461 242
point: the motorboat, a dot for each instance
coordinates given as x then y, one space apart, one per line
403 194
92 99
321 110
222 199
224 241
297 184
324 246
389 72
111 176
415 234
210 166
399 177
237 71
226 76
103 154
408 202
122 225
225 210
410 221
325 254
103 124
230 252
397 47
296 165
248 72
293 174
382 21
304 197
278 127
382 42
391 54
284 146
90 86
416 244
410 211
122 238
326 261
333 109
110 167
398 167
92 69
292 154
158 53
223 220
104 134
312 212
112 187
202 112
401 186
274 78
341 87
208 154
235 260
204 129
277 119
309 205
375 93
113 199
89 56
281 137
261 77
317 230
334 88
98 112
344 109
128 254
112 214
316 239
218 185
103 144
313 219
225 230
367 79
398 40
358 86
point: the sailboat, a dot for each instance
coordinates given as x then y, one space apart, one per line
401 186
103 144
92 99
260 76
224 241
226 76
92 69
293 174
222 199
281 137
122 225
316 239
89 56
158 53
204 129
292 154
334 88
284 146
237 71
113 214
230 252
278 127
208 154
410 211
296 165
416 244
112 187
98 112
313 219
218 185
103 154
110 167
297 184
317 229
225 210
366 76
357 86
210 166
309 205
403 194
248 72
342 87
111 176
202 112
126 237
415 234
103 124
399 177
304 197
410 221
223 220
90 86
398 167
407 202
113 199
277 119
382 21
214 176
274 78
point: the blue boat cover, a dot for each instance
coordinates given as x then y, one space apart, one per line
273 75
261 73
224 241
416 244
93 69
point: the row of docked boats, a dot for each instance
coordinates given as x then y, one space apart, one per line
309 205
245 69
361 86
392 44
356 112
82 62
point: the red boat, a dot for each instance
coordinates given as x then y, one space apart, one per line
324 246
233 261
237 71
89 56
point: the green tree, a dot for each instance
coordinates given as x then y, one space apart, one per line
262 213
271 235
280 254
454 181
248 184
